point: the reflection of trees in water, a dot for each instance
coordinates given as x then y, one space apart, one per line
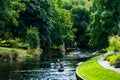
10 71
29 64
27 68
52 53
6 71
37 70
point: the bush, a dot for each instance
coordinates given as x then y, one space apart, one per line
114 41
110 53
4 56
10 56
112 59
117 63
110 48
33 38
14 42
35 52
15 56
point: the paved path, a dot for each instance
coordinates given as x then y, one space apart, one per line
106 64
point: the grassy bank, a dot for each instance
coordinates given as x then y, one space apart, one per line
91 70
21 51
13 54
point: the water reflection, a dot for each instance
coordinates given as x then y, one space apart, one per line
37 70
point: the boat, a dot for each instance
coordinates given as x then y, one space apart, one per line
61 69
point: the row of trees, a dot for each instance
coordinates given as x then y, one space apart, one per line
88 22
105 20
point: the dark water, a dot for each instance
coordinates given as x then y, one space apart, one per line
38 70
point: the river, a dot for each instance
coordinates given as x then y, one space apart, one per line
39 70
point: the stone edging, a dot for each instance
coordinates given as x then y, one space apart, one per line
106 65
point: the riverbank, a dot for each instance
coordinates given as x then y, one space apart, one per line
13 54
92 70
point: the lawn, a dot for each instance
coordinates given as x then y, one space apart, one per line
22 51
91 70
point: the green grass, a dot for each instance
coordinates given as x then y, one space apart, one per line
91 70
22 51
3 48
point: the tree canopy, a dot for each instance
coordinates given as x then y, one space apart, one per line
9 14
87 22
105 15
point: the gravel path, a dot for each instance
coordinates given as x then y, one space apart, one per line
106 64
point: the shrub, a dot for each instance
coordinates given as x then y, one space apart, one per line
35 52
110 53
117 63
15 55
118 54
114 41
112 59
5 56
14 42
10 56
110 48
33 37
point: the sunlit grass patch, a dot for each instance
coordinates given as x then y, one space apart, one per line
91 70
23 52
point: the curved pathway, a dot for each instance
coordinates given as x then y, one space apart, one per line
106 64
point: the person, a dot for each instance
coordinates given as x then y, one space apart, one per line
58 62
63 48
61 65
75 44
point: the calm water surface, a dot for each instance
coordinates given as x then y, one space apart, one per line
38 70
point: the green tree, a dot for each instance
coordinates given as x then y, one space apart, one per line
105 15
80 17
33 38
81 21
9 14
38 14
62 32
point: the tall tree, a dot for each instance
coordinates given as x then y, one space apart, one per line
62 24
80 17
9 14
38 14
81 21
105 19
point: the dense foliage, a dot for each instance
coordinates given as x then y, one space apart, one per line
87 22
33 38
9 15
113 54
62 32
105 15
38 14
